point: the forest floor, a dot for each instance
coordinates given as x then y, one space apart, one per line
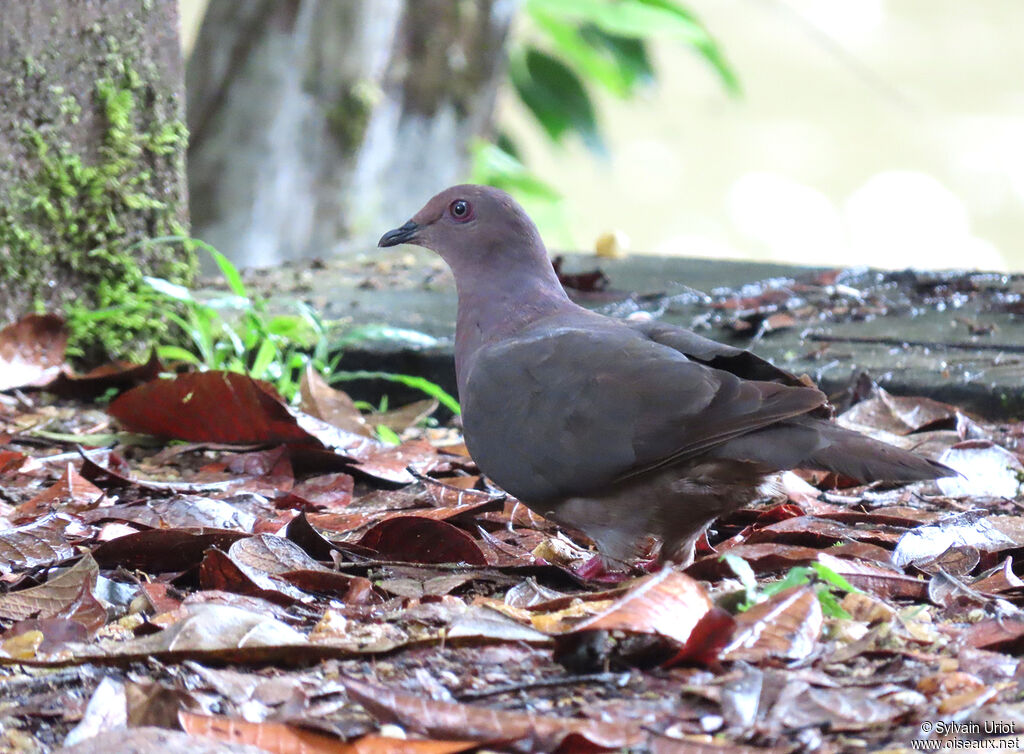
270 578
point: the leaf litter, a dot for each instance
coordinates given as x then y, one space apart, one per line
277 579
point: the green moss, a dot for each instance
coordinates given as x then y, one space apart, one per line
83 214
348 119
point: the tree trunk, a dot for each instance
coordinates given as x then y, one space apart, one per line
92 144
320 121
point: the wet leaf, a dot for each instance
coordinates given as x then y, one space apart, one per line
72 490
418 539
213 406
40 543
899 415
163 550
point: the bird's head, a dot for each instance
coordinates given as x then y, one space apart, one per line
471 225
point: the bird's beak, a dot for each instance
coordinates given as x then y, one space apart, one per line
405 234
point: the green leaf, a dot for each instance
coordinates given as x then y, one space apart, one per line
495 167
230 272
265 356
795 577
630 55
592 60
830 605
419 383
387 333
169 289
388 435
555 96
833 578
177 353
746 575
642 19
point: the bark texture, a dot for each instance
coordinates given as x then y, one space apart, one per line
92 145
317 122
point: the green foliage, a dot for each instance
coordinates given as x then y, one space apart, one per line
237 333
582 44
571 48
826 583
419 383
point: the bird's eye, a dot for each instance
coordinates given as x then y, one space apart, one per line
461 210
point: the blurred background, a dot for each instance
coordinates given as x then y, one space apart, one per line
825 132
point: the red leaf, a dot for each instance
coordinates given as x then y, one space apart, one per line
209 407
417 539
163 550
119 375
72 488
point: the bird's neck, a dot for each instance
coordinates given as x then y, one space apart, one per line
500 304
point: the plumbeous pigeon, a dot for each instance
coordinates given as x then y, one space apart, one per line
619 429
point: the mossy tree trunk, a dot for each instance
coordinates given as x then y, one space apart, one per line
316 122
92 145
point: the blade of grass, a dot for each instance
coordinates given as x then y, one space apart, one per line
418 383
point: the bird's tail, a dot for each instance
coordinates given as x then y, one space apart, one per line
806 442
863 458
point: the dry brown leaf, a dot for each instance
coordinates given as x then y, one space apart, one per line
523 731
280 738
55 596
328 404
787 625
32 351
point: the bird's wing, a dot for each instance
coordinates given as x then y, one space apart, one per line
562 409
738 361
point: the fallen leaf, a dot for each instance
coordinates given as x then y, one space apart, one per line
418 539
210 406
898 415
667 603
988 470
40 543
786 626
154 741
51 598
32 351
71 490
107 710
288 739
522 731
119 376
970 529
328 404
163 550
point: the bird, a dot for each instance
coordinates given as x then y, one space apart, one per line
623 430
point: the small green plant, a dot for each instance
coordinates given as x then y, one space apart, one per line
238 333
826 583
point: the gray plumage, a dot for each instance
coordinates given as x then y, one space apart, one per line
619 429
